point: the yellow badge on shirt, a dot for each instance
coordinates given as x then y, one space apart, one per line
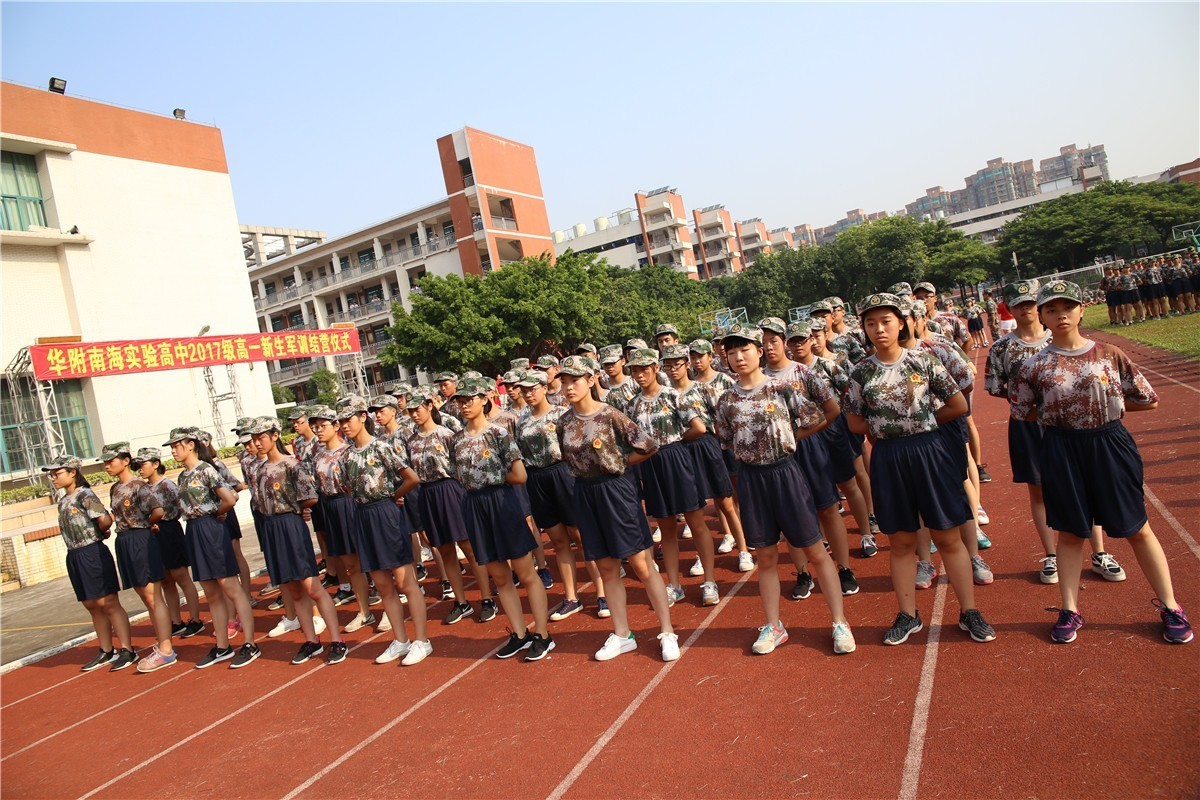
915 378
597 444
487 453
770 408
276 487
127 503
550 427
1103 379
664 408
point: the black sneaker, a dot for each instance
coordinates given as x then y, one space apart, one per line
849 582
447 590
321 566
515 644
276 604
515 579
177 628
342 597
459 612
214 655
306 651
124 659
539 647
422 573
487 611
803 587
193 626
337 653
984 475
329 581
973 623
373 598
245 655
103 657
902 628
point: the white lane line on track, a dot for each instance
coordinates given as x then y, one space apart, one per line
1173 522
916 735
632 708
1168 377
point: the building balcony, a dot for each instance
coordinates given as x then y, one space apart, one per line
371 309
715 234
654 206
716 255
660 221
503 223
668 246
292 374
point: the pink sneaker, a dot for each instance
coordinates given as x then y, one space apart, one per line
155 660
233 628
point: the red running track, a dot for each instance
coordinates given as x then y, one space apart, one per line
1113 715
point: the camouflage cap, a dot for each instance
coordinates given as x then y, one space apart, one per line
883 300
398 390
511 377
519 364
349 405
1059 290
740 331
586 347
322 412
204 436
820 307
900 288
244 438
799 330
531 377
816 324
546 362
241 423
773 324
472 388
262 425
420 396
720 333
835 301
593 363
635 344
675 351
666 328
700 346
445 376
114 450
611 354
643 357
297 413
1021 292
149 454
579 366
62 461
380 401
471 375
924 286
181 433
917 308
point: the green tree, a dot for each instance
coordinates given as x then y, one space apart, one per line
282 394
322 387
961 262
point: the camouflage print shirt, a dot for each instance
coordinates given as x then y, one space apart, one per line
132 504
804 380
507 420
538 437
834 375
899 399
662 416
619 396
1005 360
303 448
759 425
198 490
1154 275
77 515
451 423
431 454
953 326
990 305
168 497
327 468
847 345
557 397
599 444
373 472
249 463
956 364
227 478
1083 388
282 486
483 460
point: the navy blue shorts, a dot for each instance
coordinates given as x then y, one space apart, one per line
731 463
841 452
1110 298
776 499
317 513
210 550
954 433
1024 451
1194 280
172 546
92 571
138 558
442 504
813 459
708 465
263 544
381 536
522 499
496 525
609 514
1093 477
916 480
291 556
669 483
975 324
233 525
412 509
339 525
550 495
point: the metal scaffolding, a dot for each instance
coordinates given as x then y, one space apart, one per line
40 430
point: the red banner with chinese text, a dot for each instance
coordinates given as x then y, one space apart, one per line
52 362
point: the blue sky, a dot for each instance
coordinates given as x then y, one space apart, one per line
790 112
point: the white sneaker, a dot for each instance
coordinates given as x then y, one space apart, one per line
697 569
674 594
745 561
384 625
319 625
984 519
394 650
284 625
621 572
359 621
615 645
670 646
656 535
426 555
727 544
770 637
709 596
843 639
403 598
686 532
417 653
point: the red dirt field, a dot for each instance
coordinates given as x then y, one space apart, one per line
1115 714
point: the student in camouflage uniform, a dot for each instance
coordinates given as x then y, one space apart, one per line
392 426
993 319
621 388
84 523
1092 473
232 523
837 340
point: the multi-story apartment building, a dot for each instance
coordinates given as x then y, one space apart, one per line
781 238
665 229
617 237
938 203
493 213
1070 162
716 251
804 235
753 239
1000 182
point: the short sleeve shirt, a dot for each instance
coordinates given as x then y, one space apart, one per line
1005 360
538 437
168 497
759 425
662 416
619 396
431 454
848 346
949 355
77 515
953 326
805 381
327 469
1084 388
482 460
899 399
372 472
282 486
599 443
132 504
833 373
227 478
198 490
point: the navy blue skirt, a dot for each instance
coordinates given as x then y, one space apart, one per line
210 550
263 544
172 545
138 558
1093 477
496 525
232 525
339 524
954 433
381 536
1024 451
92 571
916 479
841 452
442 504
731 463
708 465
776 499
550 495
412 509
523 499
317 515
813 458
609 514
291 556
669 482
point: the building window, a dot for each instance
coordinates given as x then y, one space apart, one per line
448 231
366 256
344 262
270 288
22 193
76 429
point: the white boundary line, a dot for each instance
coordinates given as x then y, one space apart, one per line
1168 377
632 708
1174 523
916 735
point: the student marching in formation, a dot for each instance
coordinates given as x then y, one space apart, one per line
393 426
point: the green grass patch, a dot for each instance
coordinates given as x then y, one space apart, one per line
1178 334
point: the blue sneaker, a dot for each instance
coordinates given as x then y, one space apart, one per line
547 578
981 537
602 608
